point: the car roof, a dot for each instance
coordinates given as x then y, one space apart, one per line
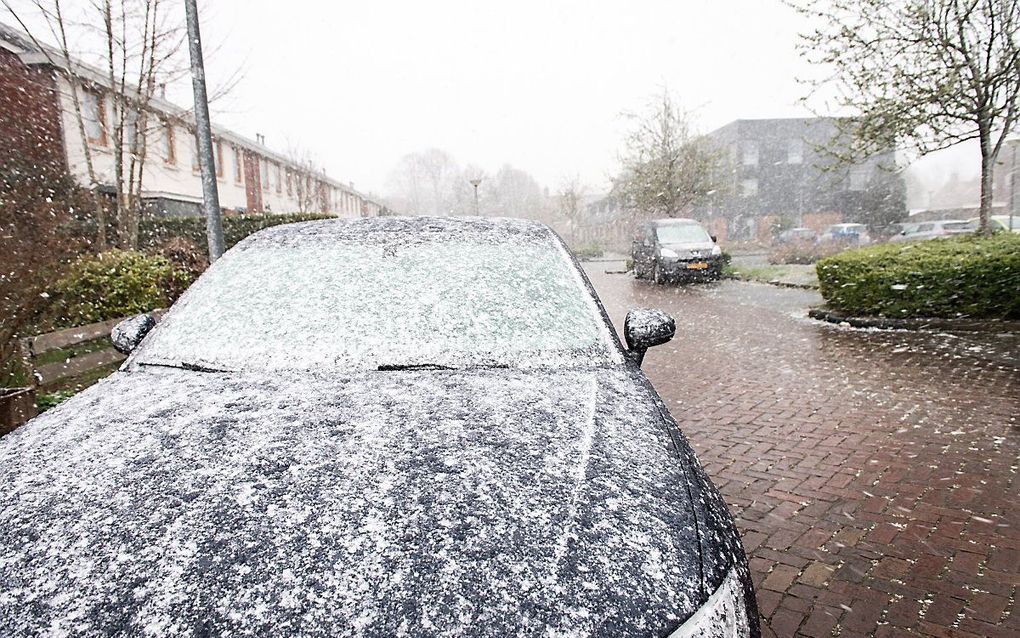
342 228
668 221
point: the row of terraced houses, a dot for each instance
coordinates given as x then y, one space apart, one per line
38 120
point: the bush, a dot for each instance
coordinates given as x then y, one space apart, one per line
589 251
110 285
966 276
185 255
155 232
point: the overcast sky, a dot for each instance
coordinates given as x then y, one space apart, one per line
537 84
541 85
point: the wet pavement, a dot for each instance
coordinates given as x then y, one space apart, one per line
873 474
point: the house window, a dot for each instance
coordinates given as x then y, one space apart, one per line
264 173
279 179
238 166
131 130
748 188
290 183
195 163
94 114
219 158
169 145
750 156
794 151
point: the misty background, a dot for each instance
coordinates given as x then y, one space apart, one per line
529 93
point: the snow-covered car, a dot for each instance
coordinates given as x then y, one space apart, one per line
373 427
934 230
675 250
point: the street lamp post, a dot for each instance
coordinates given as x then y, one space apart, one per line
478 181
210 194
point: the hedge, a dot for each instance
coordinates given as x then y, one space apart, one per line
968 276
154 232
110 285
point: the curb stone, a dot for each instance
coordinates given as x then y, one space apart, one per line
889 323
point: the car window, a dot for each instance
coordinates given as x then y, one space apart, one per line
923 228
363 304
682 233
956 225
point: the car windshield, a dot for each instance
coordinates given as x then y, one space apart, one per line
682 234
307 303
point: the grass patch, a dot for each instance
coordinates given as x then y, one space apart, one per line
800 275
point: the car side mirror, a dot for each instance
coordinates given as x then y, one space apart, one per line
715 240
127 334
644 328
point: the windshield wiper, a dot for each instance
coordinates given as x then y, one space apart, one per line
184 365
414 366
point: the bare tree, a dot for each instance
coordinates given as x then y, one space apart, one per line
513 192
667 169
570 201
405 184
55 19
425 181
438 168
304 178
135 48
920 75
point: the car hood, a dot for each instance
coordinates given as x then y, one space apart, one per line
487 502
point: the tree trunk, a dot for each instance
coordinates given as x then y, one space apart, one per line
987 168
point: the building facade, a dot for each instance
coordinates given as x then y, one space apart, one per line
39 121
776 174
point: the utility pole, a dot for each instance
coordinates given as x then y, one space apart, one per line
210 194
477 182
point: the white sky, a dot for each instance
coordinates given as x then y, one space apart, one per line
540 85
537 84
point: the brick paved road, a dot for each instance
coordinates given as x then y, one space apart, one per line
873 475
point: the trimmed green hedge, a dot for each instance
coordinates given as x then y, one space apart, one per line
110 285
964 276
156 231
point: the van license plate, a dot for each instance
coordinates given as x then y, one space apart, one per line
697 265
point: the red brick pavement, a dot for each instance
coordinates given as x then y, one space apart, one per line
873 475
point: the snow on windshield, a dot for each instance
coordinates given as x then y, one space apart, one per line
302 302
682 234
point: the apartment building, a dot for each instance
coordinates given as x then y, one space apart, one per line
777 173
39 120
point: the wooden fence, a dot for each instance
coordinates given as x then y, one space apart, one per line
49 375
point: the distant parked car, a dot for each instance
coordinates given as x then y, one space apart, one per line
846 233
998 223
936 229
795 235
899 228
675 249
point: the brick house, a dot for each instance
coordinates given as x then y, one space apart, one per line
38 123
